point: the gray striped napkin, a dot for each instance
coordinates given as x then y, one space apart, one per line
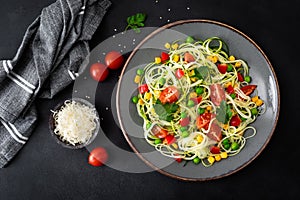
48 59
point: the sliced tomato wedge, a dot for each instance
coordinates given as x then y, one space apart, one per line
169 95
217 94
143 88
197 100
240 77
230 89
222 68
215 132
189 57
164 57
215 150
179 73
159 132
170 139
248 89
203 120
184 122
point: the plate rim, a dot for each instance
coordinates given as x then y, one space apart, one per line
157 31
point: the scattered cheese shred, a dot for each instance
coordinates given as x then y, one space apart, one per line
75 122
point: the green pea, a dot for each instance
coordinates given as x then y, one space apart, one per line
189 39
183 128
247 79
201 110
254 111
235 146
183 115
196 160
199 90
190 103
185 134
226 141
226 146
162 81
233 95
157 141
140 72
135 99
229 67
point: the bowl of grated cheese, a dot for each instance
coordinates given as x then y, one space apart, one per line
74 123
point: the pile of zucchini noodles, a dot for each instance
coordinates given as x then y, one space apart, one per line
188 148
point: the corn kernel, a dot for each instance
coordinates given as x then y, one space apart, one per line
157 60
213 59
174 145
238 64
254 99
217 157
176 58
167 45
209 108
226 85
225 126
231 58
157 93
259 102
175 46
147 95
193 95
224 155
141 102
211 159
194 79
137 79
199 138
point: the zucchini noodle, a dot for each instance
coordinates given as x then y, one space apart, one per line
197 102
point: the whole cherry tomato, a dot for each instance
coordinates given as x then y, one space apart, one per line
98 157
99 71
114 60
169 95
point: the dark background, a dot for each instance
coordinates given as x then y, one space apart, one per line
45 170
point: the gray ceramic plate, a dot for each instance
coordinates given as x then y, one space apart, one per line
241 46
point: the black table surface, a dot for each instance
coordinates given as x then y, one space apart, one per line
45 170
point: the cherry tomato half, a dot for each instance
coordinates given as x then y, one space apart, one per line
248 89
99 72
159 132
114 60
169 95
240 77
217 94
203 120
230 89
215 150
98 157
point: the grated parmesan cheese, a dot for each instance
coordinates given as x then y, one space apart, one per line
74 122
